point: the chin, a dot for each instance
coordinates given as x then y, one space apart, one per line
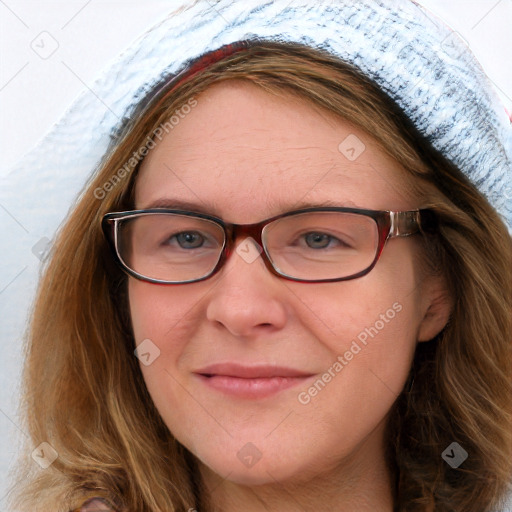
267 470
257 475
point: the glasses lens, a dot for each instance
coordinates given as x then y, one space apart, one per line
322 245
170 247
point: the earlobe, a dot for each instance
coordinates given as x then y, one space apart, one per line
437 312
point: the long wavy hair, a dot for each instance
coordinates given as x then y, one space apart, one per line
82 388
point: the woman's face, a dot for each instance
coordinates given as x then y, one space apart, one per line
244 156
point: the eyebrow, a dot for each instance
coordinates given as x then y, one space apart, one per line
209 209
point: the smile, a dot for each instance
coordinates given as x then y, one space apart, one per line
251 382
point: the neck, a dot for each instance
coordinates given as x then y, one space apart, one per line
361 482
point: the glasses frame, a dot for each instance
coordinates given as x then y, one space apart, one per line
390 224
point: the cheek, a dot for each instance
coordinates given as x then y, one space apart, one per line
371 339
161 312
383 306
371 349
370 327
163 323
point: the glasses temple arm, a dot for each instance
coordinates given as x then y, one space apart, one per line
409 223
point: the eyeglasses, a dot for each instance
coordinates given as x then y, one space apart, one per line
321 244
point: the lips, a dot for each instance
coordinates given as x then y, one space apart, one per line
251 372
257 381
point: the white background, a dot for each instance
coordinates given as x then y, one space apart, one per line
35 92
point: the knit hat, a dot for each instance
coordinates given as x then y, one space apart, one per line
416 59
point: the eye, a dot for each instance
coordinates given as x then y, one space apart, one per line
187 239
317 240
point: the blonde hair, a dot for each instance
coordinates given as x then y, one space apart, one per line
83 391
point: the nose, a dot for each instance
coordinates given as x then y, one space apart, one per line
247 299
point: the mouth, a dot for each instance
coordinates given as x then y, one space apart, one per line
251 382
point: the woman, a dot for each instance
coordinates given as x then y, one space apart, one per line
288 284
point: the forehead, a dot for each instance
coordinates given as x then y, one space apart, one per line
245 154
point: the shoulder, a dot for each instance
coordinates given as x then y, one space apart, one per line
95 505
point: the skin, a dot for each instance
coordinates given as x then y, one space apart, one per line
248 155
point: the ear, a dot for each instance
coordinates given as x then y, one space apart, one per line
437 308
